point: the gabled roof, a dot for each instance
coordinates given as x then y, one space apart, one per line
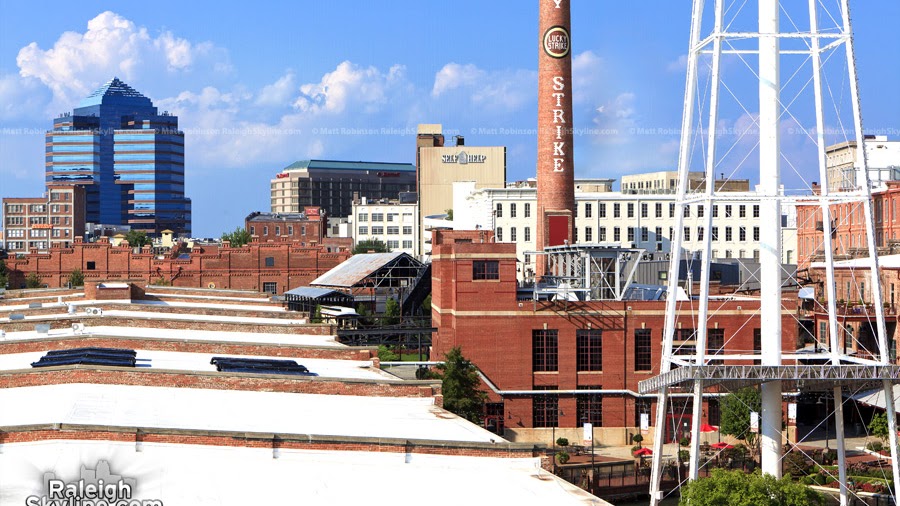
114 88
357 268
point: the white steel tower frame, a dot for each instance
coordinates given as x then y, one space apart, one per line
777 372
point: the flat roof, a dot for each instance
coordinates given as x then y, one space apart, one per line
187 361
155 315
322 341
200 474
237 410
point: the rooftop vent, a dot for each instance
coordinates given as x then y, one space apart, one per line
260 366
88 356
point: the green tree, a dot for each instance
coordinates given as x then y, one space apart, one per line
386 354
735 411
391 313
370 246
737 488
879 427
449 213
238 238
4 274
316 316
426 305
33 280
76 278
137 238
365 317
461 386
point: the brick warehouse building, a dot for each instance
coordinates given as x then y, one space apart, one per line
273 267
607 346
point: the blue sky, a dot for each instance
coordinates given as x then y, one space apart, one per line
255 83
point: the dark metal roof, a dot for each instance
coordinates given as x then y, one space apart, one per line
313 292
347 165
357 268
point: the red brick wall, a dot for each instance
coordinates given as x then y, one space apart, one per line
224 268
214 381
58 322
216 347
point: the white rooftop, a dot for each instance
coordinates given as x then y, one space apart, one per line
188 334
230 410
189 475
184 361
884 261
156 315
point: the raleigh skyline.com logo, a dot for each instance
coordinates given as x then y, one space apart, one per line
95 487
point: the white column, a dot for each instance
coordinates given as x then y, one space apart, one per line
770 236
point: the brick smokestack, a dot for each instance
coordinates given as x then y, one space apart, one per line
555 174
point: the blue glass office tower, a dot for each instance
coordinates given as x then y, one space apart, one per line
129 158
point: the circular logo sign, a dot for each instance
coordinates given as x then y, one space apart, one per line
556 41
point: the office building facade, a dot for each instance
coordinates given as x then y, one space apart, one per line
33 225
127 156
331 185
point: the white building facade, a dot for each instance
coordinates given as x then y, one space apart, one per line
391 222
618 219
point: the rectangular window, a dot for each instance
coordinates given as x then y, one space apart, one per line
575 236
588 234
392 216
658 233
601 234
715 211
270 287
589 407
91 266
728 211
728 233
617 234
527 234
742 234
742 211
512 210
645 234
252 230
544 350
701 211
363 216
757 339
715 233
671 210
617 210
407 230
687 211
527 210
545 408
363 230
756 210
658 210
486 269
756 233
642 350
393 244
588 210
407 244
498 235
499 212
700 233
644 211
641 407
715 341
291 230
589 349
270 261
266 230
602 210
512 234
687 232
393 230
631 210
631 234
278 230
713 417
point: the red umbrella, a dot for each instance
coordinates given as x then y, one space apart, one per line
708 428
721 446
642 452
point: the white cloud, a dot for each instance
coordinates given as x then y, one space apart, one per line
678 65
587 85
350 85
453 76
112 46
280 93
504 90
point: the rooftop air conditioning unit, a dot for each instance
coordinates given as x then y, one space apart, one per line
94 311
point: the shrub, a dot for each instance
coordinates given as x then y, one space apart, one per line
635 448
875 446
562 457
797 464
562 442
684 455
637 438
33 280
